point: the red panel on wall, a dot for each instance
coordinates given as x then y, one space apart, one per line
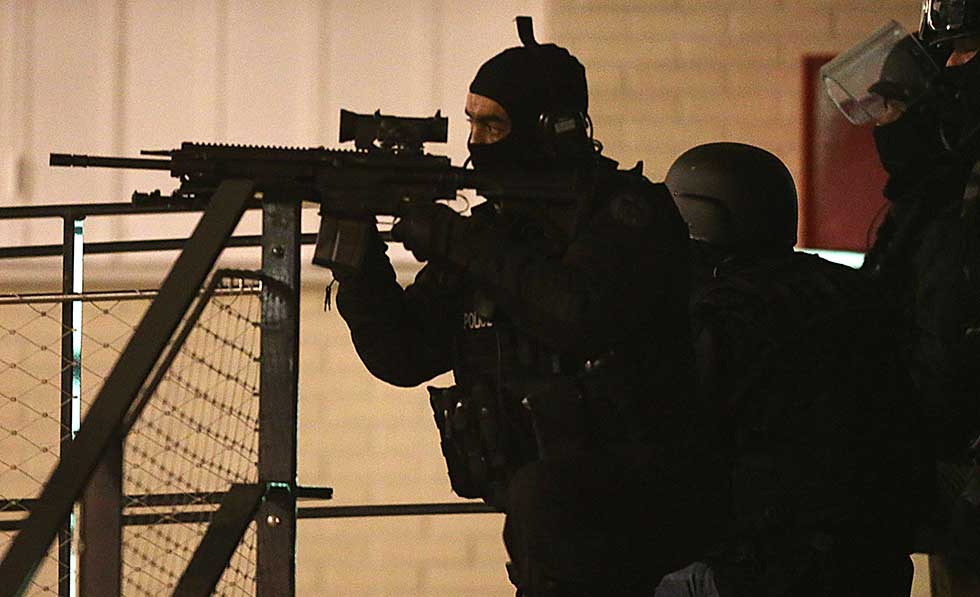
841 200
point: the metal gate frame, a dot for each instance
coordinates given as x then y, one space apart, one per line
90 467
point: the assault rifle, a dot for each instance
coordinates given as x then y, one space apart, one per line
386 170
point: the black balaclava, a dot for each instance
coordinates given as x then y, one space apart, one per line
936 133
909 147
527 81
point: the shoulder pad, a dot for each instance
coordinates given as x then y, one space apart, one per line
632 201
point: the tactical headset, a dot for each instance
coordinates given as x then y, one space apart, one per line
561 133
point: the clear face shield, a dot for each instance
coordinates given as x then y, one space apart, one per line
877 79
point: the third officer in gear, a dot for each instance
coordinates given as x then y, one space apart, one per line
797 355
927 255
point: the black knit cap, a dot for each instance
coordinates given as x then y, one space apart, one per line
530 80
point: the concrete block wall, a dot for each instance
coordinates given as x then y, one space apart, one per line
666 75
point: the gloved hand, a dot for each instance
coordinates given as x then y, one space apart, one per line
428 230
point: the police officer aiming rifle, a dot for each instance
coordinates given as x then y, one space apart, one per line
567 334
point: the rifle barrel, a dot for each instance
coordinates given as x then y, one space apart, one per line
92 161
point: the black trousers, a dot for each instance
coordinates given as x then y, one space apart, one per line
607 522
800 564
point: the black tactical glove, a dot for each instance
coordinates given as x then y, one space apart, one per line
428 230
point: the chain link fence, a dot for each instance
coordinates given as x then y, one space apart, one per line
31 429
197 435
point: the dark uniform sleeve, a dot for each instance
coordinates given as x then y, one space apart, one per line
403 336
946 353
625 271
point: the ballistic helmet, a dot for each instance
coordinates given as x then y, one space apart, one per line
736 196
945 20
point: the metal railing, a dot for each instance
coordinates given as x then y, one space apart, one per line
90 468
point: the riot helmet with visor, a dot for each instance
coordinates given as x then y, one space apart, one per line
944 21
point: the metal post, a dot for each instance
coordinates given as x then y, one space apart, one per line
71 379
101 527
278 391
98 566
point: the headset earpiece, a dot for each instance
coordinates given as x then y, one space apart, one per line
561 133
